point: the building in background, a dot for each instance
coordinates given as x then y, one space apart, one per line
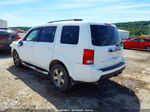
124 34
3 24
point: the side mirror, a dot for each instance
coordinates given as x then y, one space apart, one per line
20 43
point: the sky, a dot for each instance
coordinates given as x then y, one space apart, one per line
37 12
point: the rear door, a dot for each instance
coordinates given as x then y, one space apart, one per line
44 48
106 41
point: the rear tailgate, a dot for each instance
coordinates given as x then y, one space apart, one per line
106 41
107 56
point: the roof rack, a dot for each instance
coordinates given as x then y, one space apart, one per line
66 20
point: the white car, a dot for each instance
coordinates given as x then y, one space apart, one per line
71 51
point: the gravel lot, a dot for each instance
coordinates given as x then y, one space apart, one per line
27 89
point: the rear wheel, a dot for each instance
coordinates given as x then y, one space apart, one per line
148 48
60 77
16 59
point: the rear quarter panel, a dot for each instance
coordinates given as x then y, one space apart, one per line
70 54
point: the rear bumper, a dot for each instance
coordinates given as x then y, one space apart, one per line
89 73
113 67
113 74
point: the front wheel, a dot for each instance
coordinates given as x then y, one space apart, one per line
16 59
60 77
148 48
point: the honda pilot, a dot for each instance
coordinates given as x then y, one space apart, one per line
71 51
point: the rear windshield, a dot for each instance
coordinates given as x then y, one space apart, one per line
104 35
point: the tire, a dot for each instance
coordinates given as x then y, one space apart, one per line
148 48
60 77
16 59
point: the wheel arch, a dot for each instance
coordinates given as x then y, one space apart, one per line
147 46
56 61
66 64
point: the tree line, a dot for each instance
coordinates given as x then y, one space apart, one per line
138 28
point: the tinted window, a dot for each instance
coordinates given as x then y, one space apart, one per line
143 40
32 36
147 40
136 39
70 35
104 35
47 34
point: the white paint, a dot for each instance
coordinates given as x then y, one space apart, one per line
42 54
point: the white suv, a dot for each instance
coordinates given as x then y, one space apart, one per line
71 51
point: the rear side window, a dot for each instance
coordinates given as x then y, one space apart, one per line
137 39
47 34
147 40
104 35
70 35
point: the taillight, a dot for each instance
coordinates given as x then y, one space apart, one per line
1 38
18 38
88 57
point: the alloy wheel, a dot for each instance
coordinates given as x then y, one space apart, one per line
58 77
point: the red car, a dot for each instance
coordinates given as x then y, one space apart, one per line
137 43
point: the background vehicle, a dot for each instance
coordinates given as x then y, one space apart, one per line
71 51
7 36
124 34
21 33
137 43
